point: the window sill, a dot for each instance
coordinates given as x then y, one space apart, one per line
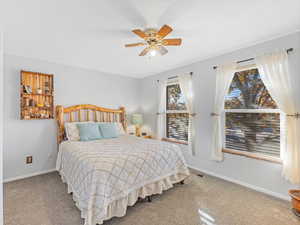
254 156
174 141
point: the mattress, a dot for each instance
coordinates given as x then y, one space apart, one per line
106 176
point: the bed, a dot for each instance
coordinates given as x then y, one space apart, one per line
106 176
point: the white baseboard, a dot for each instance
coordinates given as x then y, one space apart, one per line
28 175
256 188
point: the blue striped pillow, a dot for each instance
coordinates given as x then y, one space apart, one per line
108 130
89 132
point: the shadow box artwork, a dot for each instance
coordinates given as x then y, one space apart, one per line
36 96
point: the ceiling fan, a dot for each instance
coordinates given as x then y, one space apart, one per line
154 40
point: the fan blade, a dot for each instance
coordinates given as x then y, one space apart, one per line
162 50
175 41
164 31
139 33
144 52
135 44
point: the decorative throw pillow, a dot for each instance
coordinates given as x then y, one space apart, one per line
108 130
120 129
72 131
89 131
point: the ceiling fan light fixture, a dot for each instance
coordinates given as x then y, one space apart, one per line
152 52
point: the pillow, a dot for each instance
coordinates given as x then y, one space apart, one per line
89 132
72 131
108 130
120 129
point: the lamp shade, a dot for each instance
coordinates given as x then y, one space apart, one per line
137 119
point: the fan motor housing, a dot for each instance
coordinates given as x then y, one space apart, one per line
152 39
151 32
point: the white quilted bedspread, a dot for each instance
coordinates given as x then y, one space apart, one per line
99 173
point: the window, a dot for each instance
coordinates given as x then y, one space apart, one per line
177 118
252 119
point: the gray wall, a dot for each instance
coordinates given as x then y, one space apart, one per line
264 176
72 86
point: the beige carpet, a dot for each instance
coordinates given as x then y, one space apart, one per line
43 200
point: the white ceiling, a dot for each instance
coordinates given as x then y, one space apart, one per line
91 33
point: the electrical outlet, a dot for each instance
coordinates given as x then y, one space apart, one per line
28 159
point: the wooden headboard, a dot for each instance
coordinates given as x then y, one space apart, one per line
81 113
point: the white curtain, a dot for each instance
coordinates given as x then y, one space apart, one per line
274 72
224 77
186 87
161 112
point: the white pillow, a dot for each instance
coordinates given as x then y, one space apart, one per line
120 129
72 131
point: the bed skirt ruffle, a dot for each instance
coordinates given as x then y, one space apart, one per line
118 207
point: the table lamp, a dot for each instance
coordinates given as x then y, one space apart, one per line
137 120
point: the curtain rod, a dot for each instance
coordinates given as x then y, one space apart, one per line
250 59
169 78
